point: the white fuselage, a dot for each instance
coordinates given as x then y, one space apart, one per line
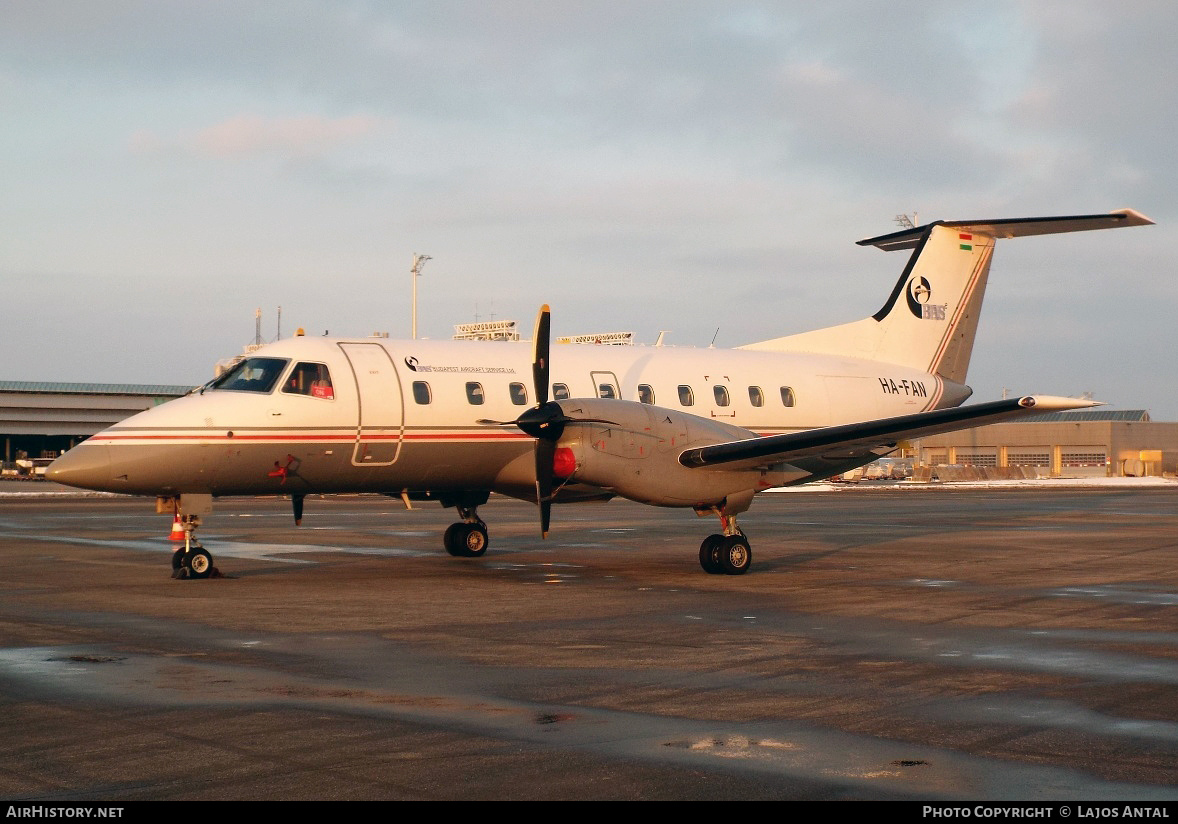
415 415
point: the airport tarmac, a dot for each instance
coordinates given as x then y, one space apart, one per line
983 644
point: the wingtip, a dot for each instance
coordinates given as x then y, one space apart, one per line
1135 217
1056 403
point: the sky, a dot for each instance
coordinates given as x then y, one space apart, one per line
167 168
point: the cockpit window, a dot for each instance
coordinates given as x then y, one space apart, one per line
252 375
309 379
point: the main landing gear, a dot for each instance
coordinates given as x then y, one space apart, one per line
727 553
467 538
191 560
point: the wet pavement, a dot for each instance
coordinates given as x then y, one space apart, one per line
887 644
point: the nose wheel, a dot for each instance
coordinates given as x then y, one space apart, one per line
192 560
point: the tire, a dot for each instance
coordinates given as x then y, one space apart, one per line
453 538
177 559
199 564
735 555
709 554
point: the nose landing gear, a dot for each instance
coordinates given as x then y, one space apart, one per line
192 560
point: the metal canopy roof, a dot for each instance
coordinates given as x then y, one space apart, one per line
150 389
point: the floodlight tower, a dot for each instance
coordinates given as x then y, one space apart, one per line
418 262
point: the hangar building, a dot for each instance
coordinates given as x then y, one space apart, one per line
1078 443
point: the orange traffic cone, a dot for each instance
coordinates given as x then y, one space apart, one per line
177 530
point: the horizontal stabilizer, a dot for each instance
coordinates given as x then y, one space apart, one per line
1013 227
861 438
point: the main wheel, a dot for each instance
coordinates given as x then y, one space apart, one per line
177 559
709 554
199 563
735 555
466 540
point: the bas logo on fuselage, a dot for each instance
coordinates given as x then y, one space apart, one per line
919 293
417 366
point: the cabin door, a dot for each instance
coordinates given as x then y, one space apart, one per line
380 425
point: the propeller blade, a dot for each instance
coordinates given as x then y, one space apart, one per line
545 452
541 343
296 503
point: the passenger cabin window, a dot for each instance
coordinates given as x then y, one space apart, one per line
686 398
787 396
252 375
519 394
606 390
645 393
560 391
756 396
422 393
309 379
721 393
474 393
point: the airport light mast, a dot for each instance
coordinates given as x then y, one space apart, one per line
418 262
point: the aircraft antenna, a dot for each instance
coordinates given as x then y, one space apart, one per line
712 345
418 262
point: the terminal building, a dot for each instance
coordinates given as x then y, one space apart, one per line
40 420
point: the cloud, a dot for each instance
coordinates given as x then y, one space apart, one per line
245 134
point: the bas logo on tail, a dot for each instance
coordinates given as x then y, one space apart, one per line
919 294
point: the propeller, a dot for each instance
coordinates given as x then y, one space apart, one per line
546 420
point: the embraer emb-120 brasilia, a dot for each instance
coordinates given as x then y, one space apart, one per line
453 421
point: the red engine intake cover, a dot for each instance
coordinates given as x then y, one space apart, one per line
564 462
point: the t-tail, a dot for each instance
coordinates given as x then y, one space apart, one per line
930 319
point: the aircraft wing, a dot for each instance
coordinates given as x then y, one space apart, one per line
870 438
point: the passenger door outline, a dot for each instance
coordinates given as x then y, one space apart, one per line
380 413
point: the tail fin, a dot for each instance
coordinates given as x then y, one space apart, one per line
930 319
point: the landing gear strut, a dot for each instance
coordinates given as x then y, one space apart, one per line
191 560
727 553
467 538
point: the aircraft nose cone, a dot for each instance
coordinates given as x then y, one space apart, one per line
86 466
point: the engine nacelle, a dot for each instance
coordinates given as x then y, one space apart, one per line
636 454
